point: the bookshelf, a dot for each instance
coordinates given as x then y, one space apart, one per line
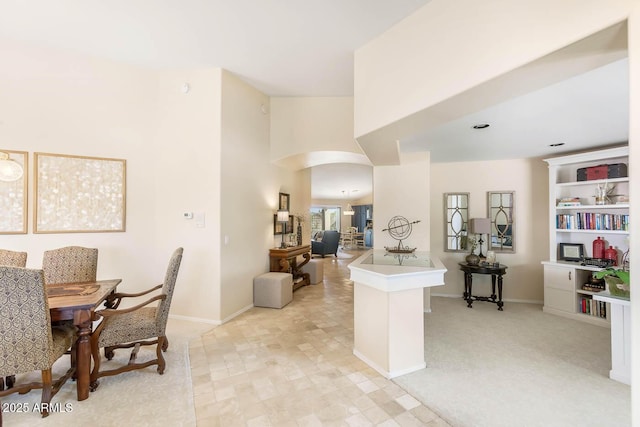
577 216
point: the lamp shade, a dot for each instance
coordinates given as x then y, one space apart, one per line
10 170
480 225
283 215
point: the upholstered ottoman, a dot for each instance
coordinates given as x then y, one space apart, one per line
273 290
315 268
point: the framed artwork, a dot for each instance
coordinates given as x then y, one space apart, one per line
571 251
284 201
277 225
76 194
13 197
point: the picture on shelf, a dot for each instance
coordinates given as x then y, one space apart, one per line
571 251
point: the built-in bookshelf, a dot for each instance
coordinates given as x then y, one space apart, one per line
578 214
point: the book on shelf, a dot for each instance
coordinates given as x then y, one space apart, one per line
568 202
587 305
593 221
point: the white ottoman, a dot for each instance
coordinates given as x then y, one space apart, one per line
315 268
273 290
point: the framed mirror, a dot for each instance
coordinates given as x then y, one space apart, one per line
500 210
456 214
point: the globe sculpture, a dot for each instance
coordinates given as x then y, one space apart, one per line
399 228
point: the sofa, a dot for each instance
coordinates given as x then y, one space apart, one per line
325 243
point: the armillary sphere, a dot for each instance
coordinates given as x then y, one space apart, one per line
400 228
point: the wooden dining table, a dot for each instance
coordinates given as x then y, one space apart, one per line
77 302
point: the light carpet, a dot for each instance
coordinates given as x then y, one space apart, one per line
518 367
140 398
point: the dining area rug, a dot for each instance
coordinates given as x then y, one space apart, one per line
141 397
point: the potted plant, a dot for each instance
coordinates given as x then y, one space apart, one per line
617 280
472 258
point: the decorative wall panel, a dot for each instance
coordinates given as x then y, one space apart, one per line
77 194
13 198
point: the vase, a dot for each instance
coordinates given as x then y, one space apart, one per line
617 287
472 259
299 235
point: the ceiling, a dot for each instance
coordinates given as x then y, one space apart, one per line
288 48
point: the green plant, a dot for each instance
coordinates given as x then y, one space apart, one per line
615 272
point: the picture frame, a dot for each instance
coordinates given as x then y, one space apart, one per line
284 201
79 194
571 251
13 197
277 225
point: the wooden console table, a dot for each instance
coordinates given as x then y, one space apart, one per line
494 270
284 260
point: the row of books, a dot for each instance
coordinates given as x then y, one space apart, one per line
588 305
592 221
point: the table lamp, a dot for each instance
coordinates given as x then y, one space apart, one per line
283 217
480 226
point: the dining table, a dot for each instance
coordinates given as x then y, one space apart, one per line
77 302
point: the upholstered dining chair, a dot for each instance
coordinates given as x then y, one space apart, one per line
142 324
71 264
11 259
27 340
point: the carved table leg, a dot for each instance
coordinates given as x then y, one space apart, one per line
500 303
82 320
468 281
493 287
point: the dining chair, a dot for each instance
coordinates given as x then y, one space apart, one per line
29 342
11 259
142 324
71 264
347 238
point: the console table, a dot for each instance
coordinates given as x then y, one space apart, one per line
494 270
285 260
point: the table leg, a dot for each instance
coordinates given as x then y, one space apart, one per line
493 287
500 303
468 281
82 320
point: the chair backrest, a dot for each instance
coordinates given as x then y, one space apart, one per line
25 323
331 240
13 258
71 264
162 314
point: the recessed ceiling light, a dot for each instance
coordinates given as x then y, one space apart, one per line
481 126
557 144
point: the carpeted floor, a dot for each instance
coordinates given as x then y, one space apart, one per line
136 398
520 367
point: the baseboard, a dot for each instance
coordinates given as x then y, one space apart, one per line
195 319
211 321
384 373
524 301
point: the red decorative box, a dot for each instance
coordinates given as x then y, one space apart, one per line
617 170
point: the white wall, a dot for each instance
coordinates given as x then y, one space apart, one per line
184 160
529 179
249 197
206 152
304 124
56 102
403 190
446 48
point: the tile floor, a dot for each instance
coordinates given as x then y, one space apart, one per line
295 367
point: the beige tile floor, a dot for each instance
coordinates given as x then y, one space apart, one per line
295 367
